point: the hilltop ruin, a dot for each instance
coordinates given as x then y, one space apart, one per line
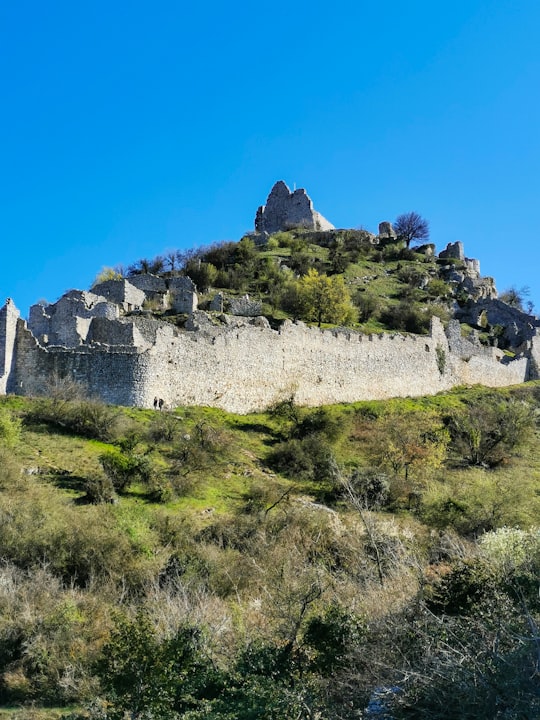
108 341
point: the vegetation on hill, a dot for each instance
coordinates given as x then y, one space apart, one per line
195 564
301 274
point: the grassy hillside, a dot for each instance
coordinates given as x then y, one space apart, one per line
196 564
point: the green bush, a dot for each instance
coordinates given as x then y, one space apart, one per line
309 459
487 431
10 428
407 316
120 468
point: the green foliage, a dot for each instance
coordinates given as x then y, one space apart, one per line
294 609
460 589
411 317
324 299
203 274
369 305
10 428
370 486
437 288
310 459
107 273
99 489
120 468
143 674
89 418
330 638
487 431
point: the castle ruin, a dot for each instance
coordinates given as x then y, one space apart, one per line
285 210
108 341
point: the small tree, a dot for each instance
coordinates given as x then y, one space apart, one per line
107 273
411 227
515 297
324 299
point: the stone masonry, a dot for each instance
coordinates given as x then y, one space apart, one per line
285 209
108 341
243 365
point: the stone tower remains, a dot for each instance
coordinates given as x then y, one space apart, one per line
285 209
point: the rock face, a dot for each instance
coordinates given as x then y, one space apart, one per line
285 209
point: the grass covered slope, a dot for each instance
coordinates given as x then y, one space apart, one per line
196 564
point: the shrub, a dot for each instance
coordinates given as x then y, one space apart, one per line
89 418
309 459
319 422
99 489
121 469
410 317
10 428
370 486
488 430
368 304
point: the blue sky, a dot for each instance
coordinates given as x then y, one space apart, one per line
130 128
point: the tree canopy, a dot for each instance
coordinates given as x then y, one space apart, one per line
324 299
411 227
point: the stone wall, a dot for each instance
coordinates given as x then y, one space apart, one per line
242 364
67 321
285 209
183 294
121 292
9 318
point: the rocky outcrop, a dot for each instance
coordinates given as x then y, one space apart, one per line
285 209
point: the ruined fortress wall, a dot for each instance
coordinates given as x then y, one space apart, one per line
242 367
247 368
9 317
116 377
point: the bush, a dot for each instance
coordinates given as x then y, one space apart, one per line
99 489
308 459
368 304
319 422
10 428
89 418
486 432
120 468
406 316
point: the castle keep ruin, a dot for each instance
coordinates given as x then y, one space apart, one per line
285 209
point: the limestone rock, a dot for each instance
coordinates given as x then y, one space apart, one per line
285 209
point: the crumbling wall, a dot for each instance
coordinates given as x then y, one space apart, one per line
285 209
121 292
183 295
9 318
242 364
67 321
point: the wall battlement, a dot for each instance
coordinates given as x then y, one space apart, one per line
236 363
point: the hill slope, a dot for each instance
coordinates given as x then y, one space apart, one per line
275 565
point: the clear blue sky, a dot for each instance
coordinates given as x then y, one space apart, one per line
130 128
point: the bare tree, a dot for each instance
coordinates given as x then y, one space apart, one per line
411 227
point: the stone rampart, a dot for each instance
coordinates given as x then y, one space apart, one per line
243 365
